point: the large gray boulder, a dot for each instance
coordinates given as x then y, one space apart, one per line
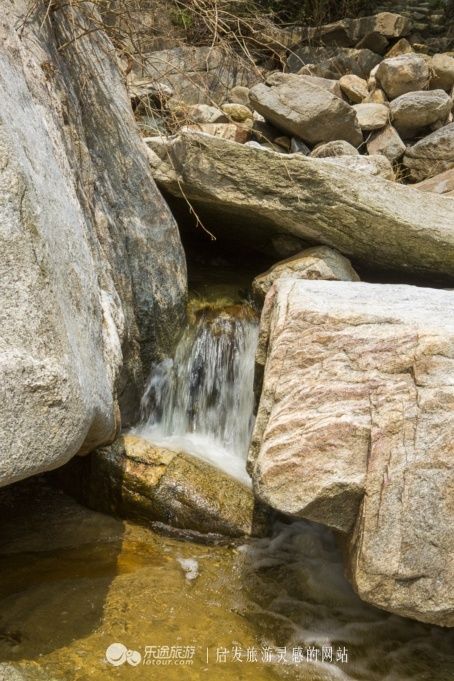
432 155
300 108
258 196
415 111
442 66
355 429
84 231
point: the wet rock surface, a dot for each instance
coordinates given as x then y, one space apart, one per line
94 580
141 481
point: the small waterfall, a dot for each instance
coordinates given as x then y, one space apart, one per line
202 400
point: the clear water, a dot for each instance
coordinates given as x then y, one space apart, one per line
73 582
202 399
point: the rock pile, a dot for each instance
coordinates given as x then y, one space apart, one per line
366 85
350 147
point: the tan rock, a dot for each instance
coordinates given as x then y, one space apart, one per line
239 95
354 87
278 78
227 131
432 155
388 24
387 143
406 73
347 32
443 72
377 96
307 111
305 199
135 479
237 112
415 111
199 113
319 262
332 63
372 116
401 47
354 430
335 148
440 184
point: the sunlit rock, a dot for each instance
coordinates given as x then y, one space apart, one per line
256 197
432 154
402 74
355 430
139 480
414 111
305 110
87 295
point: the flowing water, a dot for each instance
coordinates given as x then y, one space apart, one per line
74 582
86 597
202 399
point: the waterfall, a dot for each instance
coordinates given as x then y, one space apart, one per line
202 400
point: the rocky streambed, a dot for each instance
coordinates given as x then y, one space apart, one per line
202 431
74 582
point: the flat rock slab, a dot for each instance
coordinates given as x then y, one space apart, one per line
369 219
355 430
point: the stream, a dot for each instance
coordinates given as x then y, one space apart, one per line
85 596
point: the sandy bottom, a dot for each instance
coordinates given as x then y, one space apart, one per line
74 583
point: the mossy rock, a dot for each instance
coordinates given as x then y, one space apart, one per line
135 479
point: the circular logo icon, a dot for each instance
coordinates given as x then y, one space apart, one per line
133 657
116 654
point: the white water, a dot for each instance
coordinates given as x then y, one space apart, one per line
298 585
202 400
